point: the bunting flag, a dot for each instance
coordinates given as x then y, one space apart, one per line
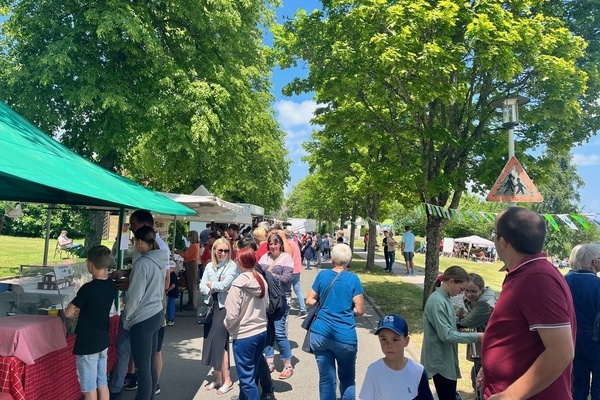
489 217
472 214
552 222
565 218
485 218
580 219
457 214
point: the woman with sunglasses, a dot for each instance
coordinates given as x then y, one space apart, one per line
216 281
479 302
439 354
281 265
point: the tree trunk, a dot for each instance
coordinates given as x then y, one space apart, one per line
371 244
373 202
432 253
352 226
93 236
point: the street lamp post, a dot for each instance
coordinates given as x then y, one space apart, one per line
510 119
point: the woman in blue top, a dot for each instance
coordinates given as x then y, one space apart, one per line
585 289
333 333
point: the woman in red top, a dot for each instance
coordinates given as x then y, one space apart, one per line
191 255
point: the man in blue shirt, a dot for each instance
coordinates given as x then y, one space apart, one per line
408 250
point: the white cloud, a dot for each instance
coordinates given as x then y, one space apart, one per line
292 114
586 160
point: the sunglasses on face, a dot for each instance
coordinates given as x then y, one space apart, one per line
223 251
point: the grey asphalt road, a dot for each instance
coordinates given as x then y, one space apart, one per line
184 376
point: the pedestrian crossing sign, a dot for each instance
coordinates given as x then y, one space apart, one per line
514 185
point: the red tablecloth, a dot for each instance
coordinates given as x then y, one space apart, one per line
53 376
29 337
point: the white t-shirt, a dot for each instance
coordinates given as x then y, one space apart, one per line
384 383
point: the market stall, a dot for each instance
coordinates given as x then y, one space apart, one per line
35 168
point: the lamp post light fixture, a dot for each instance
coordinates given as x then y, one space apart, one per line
510 117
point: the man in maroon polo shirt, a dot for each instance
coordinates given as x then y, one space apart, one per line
528 345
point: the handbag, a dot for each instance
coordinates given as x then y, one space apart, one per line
312 315
204 313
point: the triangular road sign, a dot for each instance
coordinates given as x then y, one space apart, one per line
514 185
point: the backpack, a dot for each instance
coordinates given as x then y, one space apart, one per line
277 300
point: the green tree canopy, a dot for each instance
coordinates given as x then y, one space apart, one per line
171 93
422 76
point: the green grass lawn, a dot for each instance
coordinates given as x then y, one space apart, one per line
17 251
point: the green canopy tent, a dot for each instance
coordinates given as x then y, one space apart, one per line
35 168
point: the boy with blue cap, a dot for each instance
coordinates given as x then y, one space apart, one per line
395 376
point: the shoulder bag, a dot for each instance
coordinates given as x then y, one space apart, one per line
312 315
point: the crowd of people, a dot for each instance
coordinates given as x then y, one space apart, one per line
522 344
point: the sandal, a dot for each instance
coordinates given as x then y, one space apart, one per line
287 372
271 367
211 386
224 389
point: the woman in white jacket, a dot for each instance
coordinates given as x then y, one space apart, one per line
216 281
246 321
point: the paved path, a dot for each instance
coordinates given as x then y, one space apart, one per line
183 374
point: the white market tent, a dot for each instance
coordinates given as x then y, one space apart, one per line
242 215
207 207
475 240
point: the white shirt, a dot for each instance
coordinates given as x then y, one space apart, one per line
384 383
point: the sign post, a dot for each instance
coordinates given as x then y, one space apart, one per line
510 119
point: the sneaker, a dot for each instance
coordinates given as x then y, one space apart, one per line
302 314
132 384
268 396
170 323
157 388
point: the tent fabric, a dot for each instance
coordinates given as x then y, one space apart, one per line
205 206
35 168
475 241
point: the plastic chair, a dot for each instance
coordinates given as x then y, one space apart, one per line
60 249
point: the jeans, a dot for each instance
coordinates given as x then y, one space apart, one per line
123 354
285 350
171 308
586 361
328 352
247 353
392 260
308 260
264 376
144 343
386 255
298 291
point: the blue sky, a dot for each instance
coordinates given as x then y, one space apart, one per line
294 114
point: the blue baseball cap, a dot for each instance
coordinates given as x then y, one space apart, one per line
393 322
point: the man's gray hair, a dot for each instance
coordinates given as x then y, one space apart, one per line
585 256
341 255
264 225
